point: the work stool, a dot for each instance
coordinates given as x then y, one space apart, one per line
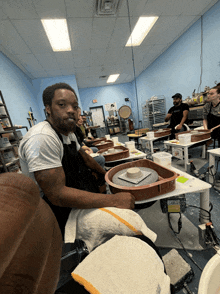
72 255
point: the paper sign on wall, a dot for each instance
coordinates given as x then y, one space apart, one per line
110 106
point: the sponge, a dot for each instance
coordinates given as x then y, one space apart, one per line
177 269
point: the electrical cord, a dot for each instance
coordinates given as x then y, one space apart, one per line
183 246
201 55
187 288
211 237
132 52
209 212
210 171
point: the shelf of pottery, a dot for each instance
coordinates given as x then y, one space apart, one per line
10 137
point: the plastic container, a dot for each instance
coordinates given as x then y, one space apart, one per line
107 137
115 140
130 145
162 158
150 135
210 282
184 139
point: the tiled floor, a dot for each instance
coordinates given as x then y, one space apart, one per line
200 257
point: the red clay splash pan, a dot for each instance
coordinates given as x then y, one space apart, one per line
124 153
107 144
165 184
204 134
98 140
164 132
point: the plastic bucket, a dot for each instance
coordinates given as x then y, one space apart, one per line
210 279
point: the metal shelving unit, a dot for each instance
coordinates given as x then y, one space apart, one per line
8 131
153 112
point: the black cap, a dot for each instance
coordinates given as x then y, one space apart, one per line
177 95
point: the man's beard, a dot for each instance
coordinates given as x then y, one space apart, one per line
64 125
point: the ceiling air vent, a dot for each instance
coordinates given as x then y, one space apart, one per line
103 77
107 7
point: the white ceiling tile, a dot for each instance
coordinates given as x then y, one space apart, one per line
176 7
102 30
39 74
83 70
48 9
98 43
54 73
33 34
196 7
14 44
68 72
80 30
17 9
97 71
2 15
64 60
81 58
135 7
80 8
30 62
48 61
121 33
98 57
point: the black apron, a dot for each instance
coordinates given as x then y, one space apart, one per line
77 175
213 121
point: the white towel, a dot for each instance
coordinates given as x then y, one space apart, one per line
123 265
96 226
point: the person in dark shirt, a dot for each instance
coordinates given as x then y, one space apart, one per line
177 115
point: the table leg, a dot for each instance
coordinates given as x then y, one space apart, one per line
204 203
211 162
151 147
204 151
186 157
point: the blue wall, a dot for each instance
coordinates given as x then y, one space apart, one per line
41 84
18 93
109 94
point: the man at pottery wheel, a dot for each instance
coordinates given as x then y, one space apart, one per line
51 155
177 115
211 114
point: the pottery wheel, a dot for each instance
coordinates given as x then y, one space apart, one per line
115 151
152 178
102 143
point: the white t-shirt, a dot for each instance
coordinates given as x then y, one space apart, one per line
42 149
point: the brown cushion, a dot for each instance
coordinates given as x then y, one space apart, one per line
30 238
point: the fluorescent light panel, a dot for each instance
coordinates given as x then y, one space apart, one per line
141 29
112 78
57 33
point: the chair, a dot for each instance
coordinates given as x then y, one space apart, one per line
31 241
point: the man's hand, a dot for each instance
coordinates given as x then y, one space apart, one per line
178 127
87 149
124 200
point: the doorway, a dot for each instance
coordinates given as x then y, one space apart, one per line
98 116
